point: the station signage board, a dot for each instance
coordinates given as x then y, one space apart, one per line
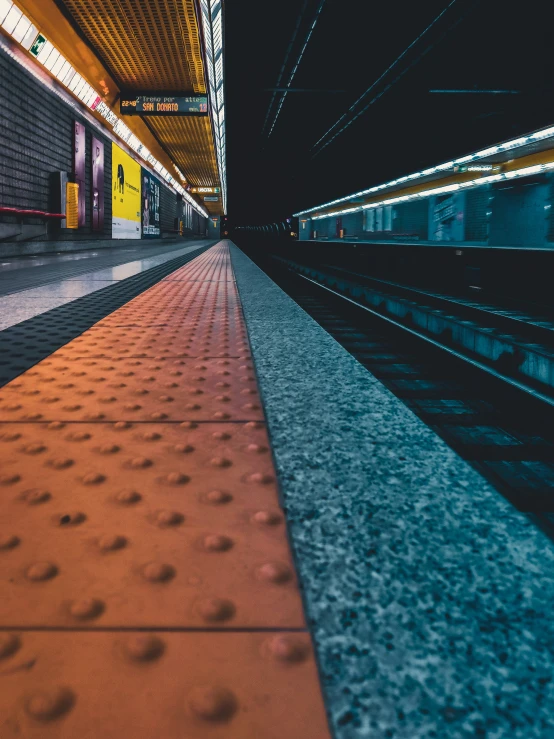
211 199
206 190
488 168
163 105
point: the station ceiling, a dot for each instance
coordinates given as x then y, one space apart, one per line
155 46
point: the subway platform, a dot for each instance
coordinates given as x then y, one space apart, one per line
216 523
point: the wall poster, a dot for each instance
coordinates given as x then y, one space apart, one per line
97 184
126 205
79 151
151 224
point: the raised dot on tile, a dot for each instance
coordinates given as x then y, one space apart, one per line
221 435
34 448
8 541
41 571
9 479
128 497
47 705
61 463
218 497
95 416
183 448
139 463
267 518
275 572
260 478
256 448
151 436
70 519
78 436
158 572
86 608
122 425
288 648
144 647
177 478
216 609
216 543
93 478
109 449
220 462
158 415
111 542
212 703
169 518
9 644
35 496
10 436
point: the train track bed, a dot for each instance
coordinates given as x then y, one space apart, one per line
501 427
512 343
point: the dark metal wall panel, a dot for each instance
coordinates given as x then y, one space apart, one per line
412 218
36 135
476 219
168 205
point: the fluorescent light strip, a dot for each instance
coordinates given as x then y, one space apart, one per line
470 184
211 11
25 33
545 133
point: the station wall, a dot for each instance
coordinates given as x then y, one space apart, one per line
36 131
37 135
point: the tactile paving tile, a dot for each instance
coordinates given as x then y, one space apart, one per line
133 390
146 559
195 509
159 685
26 343
155 342
173 301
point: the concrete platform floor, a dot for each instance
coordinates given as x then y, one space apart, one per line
30 286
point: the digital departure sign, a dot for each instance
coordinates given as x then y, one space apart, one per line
132 104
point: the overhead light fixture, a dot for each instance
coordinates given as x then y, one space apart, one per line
469 184
490 151
212 23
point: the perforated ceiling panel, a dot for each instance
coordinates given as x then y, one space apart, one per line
147 44
184 138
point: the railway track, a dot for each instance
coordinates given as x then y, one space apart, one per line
503 428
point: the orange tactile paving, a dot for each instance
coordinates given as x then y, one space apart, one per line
147 585
156 685
133 390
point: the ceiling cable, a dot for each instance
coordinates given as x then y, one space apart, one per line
297 64
351 109
283 66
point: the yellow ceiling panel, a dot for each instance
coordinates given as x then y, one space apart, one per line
188 141
147 44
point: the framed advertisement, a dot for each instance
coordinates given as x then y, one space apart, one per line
126 196
79 153
97 155
150 206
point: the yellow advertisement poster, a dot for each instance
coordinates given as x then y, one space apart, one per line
126 223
